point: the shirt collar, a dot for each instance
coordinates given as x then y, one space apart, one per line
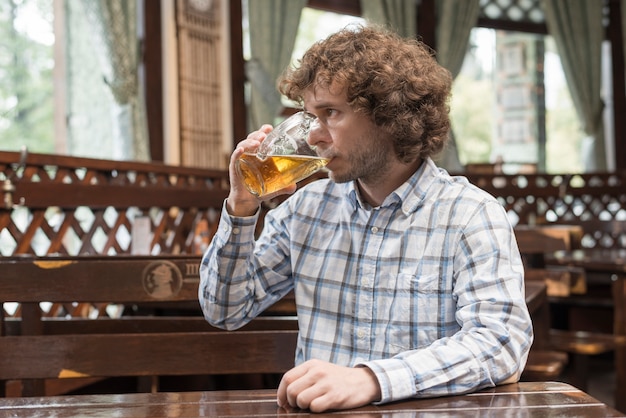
413 191
410 194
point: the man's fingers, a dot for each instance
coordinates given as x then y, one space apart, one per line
320 386
303 391
287 379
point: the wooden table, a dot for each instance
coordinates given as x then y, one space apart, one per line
611 262
602 260
539 309
528 399
536 297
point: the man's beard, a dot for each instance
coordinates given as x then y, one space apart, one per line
369 163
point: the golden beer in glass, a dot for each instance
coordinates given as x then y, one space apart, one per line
283 158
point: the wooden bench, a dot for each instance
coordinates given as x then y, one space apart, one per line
554 349
544 365
536 241
77 207
594 310
36 347
580 345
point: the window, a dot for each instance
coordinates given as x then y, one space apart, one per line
511 103
561 146
53 93
317 24
26 75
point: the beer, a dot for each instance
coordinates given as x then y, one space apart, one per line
276 172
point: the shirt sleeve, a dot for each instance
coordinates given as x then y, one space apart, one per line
237 282
492 344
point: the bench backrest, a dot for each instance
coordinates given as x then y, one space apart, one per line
50 341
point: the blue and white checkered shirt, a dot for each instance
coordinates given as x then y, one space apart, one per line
425 290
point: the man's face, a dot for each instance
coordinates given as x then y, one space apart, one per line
356 147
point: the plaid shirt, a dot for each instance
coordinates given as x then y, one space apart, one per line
425 290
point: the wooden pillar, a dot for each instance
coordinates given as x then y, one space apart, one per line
153 72
238 76
427 23
614 34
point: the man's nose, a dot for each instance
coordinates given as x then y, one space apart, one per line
317 133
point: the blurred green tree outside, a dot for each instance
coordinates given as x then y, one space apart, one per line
471 110
26 79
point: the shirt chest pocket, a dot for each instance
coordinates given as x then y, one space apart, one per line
416 309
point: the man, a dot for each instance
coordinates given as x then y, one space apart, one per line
408 282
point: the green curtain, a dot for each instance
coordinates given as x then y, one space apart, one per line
273 30
576 26
115 28
399 15
455 20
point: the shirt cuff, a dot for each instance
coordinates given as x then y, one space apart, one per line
236 228
395 378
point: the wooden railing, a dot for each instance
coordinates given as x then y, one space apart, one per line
80 206
560 198
594 201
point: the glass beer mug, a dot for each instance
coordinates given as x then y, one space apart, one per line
283 158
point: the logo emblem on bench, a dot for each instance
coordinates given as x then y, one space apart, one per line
162 279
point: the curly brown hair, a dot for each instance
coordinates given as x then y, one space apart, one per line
395 80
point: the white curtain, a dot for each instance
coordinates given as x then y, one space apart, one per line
576 26
273 30
455 20
114 25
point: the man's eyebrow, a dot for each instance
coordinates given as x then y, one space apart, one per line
323 105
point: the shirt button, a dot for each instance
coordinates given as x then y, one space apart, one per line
360 333
374 229
366 282
236 231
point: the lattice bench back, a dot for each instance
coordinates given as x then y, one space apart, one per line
80 206
595 201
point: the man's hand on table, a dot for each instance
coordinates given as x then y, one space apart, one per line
319 386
